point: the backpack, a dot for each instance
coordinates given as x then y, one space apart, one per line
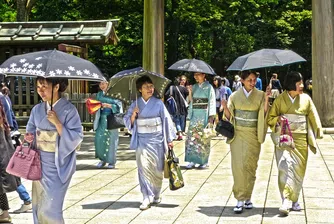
170 103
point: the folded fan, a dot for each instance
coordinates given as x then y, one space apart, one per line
93 105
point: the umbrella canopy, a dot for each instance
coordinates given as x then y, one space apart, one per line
51 64
192 65
265 58
123 84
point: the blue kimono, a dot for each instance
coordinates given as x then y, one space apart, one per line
106 141
150 147
57 167
202 106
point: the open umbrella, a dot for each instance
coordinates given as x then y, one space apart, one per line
265 58
192 65
51 64
122 85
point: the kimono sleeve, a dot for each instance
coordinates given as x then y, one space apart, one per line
31 126
127 117
273 114
168 125
262 125
212 102
315 121
114 102
231 107
68 142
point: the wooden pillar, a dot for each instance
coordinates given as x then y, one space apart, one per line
153 39
323 59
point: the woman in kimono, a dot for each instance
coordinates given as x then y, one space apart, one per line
8 182
202 110
152 133
106 141
246 109
298 108
58 133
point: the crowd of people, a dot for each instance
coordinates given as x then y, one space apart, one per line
153 130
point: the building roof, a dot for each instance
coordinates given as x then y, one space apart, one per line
73 32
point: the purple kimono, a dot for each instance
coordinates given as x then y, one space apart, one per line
150 147
57 167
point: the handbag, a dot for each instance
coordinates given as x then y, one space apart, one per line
286 140
209 131
25 162
166 169
115 121
225 128
93 105
175 175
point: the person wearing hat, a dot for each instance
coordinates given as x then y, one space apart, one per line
236 83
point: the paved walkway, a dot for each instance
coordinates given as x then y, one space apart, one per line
98 196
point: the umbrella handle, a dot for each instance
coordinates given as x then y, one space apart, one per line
51 95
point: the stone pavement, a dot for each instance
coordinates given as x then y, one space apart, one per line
98 196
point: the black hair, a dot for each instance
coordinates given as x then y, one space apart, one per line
63 83
223 82
245 74
142 80
291 79
219 79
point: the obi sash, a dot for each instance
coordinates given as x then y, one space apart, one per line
200 103
246 118
297 123
149 125
46 140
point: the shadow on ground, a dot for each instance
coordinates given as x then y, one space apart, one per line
113 205
217 211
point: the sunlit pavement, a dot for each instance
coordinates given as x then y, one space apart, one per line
113 195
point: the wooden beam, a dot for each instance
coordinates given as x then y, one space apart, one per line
322 59
153 40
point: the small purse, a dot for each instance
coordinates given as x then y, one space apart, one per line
175 174
25 162
115 121
225 128
286 140
209 131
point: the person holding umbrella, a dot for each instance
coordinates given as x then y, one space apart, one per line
58 134
152 133
202 110
106 141
246 109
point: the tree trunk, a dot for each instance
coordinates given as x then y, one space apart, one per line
153 43
217 53
23 9
322 59
172 42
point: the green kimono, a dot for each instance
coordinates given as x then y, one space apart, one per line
292 162
202 106
106 141
248 118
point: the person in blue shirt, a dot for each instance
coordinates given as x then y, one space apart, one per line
258 84
228 90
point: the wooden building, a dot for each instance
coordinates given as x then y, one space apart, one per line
69 36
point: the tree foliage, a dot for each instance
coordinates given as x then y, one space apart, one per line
215 31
